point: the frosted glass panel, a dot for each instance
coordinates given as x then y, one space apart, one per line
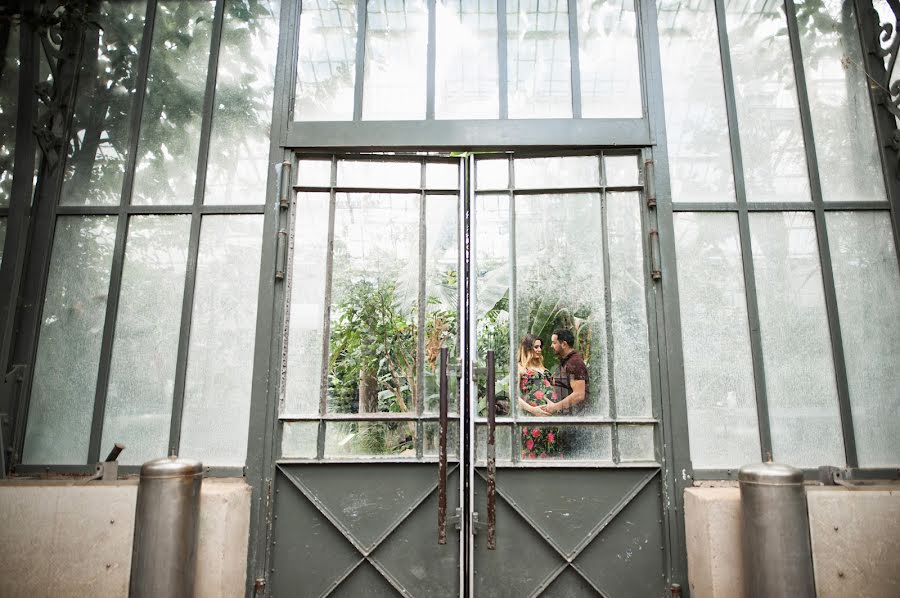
563 443
142 371
388 440
299 440
379 174
101 125
65 372
636 443
396 54
766 96
492 174
538 67
431 439
502 444
9 92
864 260
610 69
326 69
621 171
314 173
696 122
239 144
628 303
442 176
846 148
553 173
173 108
800 383
306 326
223 327
718 369
466 74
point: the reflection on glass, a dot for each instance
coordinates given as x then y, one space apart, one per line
553 173
173 108
867 284
696 122
239 142
608 49
393 175
502 443
373 346
431 441
466 76
538 67
768 112
396 53
299 440
395 440
846 148
303 384
326 69
492 174
796 345
314 173
636 443
223 325
142 371
565 443
621 171
721 401
98 147
65 373
9 92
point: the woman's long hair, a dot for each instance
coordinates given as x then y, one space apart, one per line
527 357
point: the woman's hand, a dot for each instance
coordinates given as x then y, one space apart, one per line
530 408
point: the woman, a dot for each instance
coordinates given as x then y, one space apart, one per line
535 390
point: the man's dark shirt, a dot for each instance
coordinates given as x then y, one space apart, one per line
571 367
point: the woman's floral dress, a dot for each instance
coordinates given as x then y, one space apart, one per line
536 389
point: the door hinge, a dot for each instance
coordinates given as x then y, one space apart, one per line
284 203
650 184
655 267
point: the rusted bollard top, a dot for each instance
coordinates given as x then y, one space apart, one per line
770 474
171 467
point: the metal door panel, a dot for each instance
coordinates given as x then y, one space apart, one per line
364 582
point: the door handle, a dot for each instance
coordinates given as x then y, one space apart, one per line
442 449
491 454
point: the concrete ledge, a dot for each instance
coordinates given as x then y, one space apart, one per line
713 533
71 539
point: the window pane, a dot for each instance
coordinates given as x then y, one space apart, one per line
101 125
396 53
718 369
393 175
800 383
142 372
553 173
2 238
173 108
768 113
492 174
846 148
538 67
65 372
608 49
389 440
299 440
431 439
326 70
442 176
502 444
696 122
628 303
314 173
9 92
621 171
867 283
303 384
223 327
636 443
466 73
239 143
568 443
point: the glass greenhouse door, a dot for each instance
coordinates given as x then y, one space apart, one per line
410 460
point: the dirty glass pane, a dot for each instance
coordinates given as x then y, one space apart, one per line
768 111
636 443
393 175
559 284
9 92
866 279
223 327
242 114
299 440
326 69
306 327
565 443
98 148
314 173
442 176
466 74
800 382
608 50
502 444
492 174
833 63
145 346
2 237
552 173
431 441
396 55
621 171
696 121
718 368
388 440
538 67
628 306
442 275
374 304
173 108
65 372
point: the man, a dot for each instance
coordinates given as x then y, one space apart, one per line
571 377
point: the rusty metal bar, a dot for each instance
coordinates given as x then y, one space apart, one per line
491 455
442 450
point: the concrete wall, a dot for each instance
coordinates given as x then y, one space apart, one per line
855 538
68 539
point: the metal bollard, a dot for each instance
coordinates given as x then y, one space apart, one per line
777 553
165 529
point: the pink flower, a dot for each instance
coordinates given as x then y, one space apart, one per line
524 432
550 438
535 433
532 455
530 444
546 382
539 394
529 373
543 455
553 395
